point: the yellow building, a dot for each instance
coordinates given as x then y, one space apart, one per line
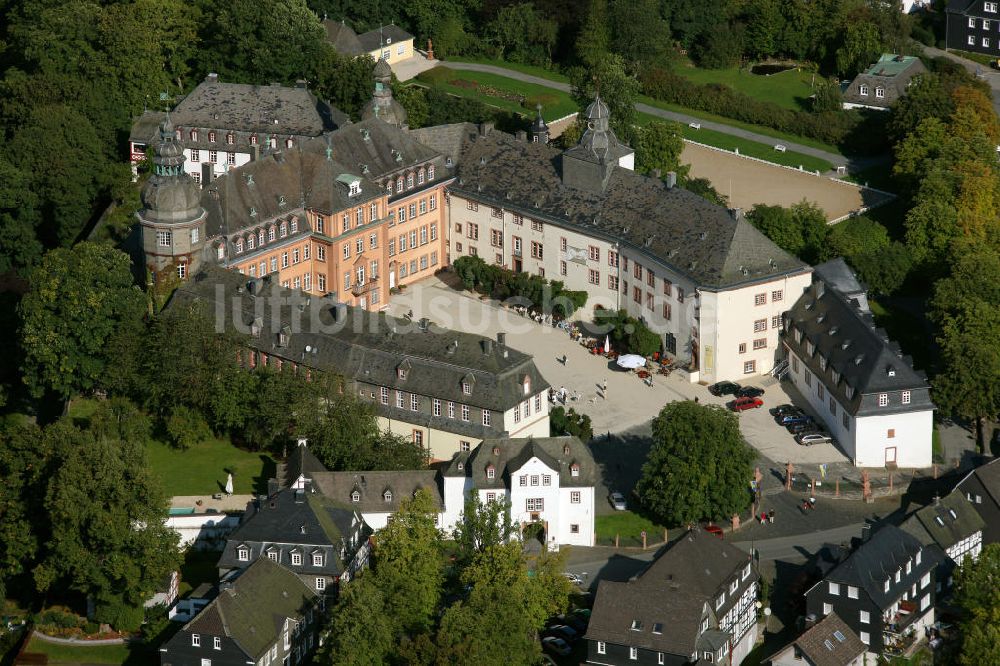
390 42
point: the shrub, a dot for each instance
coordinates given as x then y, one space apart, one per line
563 422
186 427
533 290
56 618
628 334
120 615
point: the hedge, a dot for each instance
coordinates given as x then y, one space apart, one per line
535 291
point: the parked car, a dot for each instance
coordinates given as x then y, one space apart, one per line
724 388
782 410
583 613
576 579
715 529
750 392
743 404
578 625
562 631
799 428
809 438
556 646
618 501
789 419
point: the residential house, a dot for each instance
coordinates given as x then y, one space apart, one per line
702 277
266 615
546 480
973 25
952 525
879 86
389 42
323 542
884 591
867 393
444 390
830 642
226 125
981 489
695 603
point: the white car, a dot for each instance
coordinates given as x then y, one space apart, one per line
808 438
618 501
576 579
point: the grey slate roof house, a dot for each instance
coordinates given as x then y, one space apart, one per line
695 603
322 541
951 524
884 590
375 42
879 86
413 373
266 615
973 25
830 642
981 489
873 401
566 455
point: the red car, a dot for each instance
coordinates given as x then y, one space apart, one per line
741 404
714 529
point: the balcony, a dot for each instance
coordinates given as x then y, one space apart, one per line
363 288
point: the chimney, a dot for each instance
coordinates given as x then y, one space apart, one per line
501 338
671 180
485 127
521 136
656 173
272 487
300 83
866 533
424 323
487 346
820 288
737 213
212 78
496 450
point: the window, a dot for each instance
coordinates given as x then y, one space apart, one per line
593 250
827 609
217 642
680 295
760 299
465 412
883 399
464 446
536 250
534 504
451 410
272 556
164 238
230 158
195 155
486 417
926 580
986 24
496 238
243 554
574 497
990 7
195 640
906 397
890 433
749 367
865 637
776 321
880 92
719 601
613 282
491 471
574 528
534 479
863 90
320 583
986 42
659 658
760 326
601 647
834 588
743 348
296 559
472 231
594 277
213 156
562 268
971 41
414 402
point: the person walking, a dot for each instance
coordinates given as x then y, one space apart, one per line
604 387
770 516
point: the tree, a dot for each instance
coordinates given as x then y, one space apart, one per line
593 40
704 189
109 535
638 32
659 145
698 466
861 47
800 230
343 81
856 236
409 569
360 630
522 34
765 25
719 46
79 299
827 96
977 593
261 42
186 427
617 87
482 526
884 270
563 422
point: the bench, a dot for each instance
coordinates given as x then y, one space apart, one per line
697 126
780 148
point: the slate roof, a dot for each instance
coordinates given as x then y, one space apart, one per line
837 274
512 454
296 520
253 609
372 487
378 147
945 522
892 73
989 476
673 592
865 358
961 6
379 37
146 128
343 38
271 109
281 184
368 347
878 559
822 645
300 462
671 226
445 139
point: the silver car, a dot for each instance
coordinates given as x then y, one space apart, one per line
618 501
809 438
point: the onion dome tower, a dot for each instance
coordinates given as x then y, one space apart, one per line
172 218
539 131
382 105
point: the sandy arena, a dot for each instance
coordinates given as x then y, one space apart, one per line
747 182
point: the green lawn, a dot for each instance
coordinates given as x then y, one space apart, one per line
754 149
71 654
555 104
628 526
202 469
540 72
789 89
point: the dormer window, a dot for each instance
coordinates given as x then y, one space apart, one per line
243 554
822 362
253 139
836 377
283 229
355 496
883 399
354 188
491 471
260 237
850 392
239 245
211 137
399 184
317 559
289 143
401 373
194 135
430 172
636 625
574 469
810 347
387 496
272 555
466 388
271 234
230 139
409 180
798 336
296 559
527 385
657 627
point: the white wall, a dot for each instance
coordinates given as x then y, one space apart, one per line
912 440
536 423
550 496
221 165
581 514
205 530
845 436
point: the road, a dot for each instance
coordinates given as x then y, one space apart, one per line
833 158
798 547
992 77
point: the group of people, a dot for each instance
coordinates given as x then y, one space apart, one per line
562 395
766 517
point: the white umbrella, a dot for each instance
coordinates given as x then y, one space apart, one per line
631 361
607 344
229 484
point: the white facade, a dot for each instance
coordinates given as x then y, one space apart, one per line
203 531
536 496
223 162
874 440
721 328
971 547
